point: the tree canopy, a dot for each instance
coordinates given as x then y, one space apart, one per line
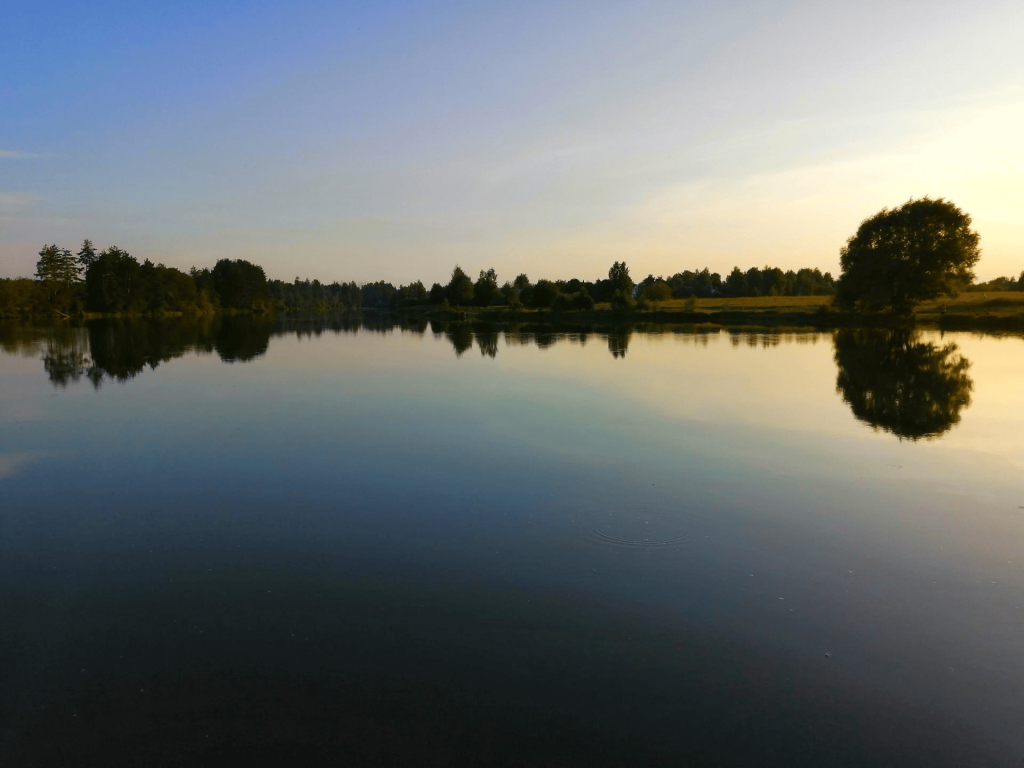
239 283
618 274
58 271
113 282
898 257
460 287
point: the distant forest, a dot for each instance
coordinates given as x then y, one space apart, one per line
114 282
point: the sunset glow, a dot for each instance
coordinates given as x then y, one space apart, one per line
348 144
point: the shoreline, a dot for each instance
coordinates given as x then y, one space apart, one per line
967 312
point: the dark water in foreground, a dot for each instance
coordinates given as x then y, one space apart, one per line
456 545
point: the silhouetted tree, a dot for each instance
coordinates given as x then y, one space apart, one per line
736 283
379 294
207 298
895 382
544 293
460 288
112 282
486 291
618 274
240 284
165 289
436 293
583 300
563 302
622 301
657 290
86 255
412 293
921 250
58 271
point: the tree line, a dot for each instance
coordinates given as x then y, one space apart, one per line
999 284
897 258
113 281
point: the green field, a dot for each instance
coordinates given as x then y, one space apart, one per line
1002 304
995 311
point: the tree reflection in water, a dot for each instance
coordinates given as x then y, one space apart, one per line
120 350
618 343
487 340
895 382
891 379
461 337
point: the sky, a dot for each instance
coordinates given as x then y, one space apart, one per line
390 141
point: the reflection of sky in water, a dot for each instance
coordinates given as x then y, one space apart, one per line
786 528
10 463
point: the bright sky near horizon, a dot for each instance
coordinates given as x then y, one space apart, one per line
366 141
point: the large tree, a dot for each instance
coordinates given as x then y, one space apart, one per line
618 274
240 284
87 255
460 288
485 290
113 283
898 257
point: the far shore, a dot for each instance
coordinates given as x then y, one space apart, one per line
992 311
968 311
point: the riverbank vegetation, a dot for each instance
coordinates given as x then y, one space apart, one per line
114 282
883 284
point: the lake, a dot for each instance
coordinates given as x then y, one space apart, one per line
308 542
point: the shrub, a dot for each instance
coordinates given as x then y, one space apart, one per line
544 293
622 300
658 291
583 300
562 302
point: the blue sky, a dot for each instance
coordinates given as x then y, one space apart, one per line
392 140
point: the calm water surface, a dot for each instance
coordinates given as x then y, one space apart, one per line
294 543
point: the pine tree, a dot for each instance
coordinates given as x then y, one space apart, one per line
58 270
87 255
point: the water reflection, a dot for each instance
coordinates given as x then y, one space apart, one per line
895 382
891 380
618 343
120 350
242 340
487 340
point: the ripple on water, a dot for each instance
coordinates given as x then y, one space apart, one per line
641 530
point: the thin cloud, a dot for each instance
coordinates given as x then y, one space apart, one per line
10 154
16 202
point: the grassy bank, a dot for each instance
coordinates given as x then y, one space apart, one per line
982 311
991 312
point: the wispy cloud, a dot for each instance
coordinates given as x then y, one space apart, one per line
10 154
16 202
